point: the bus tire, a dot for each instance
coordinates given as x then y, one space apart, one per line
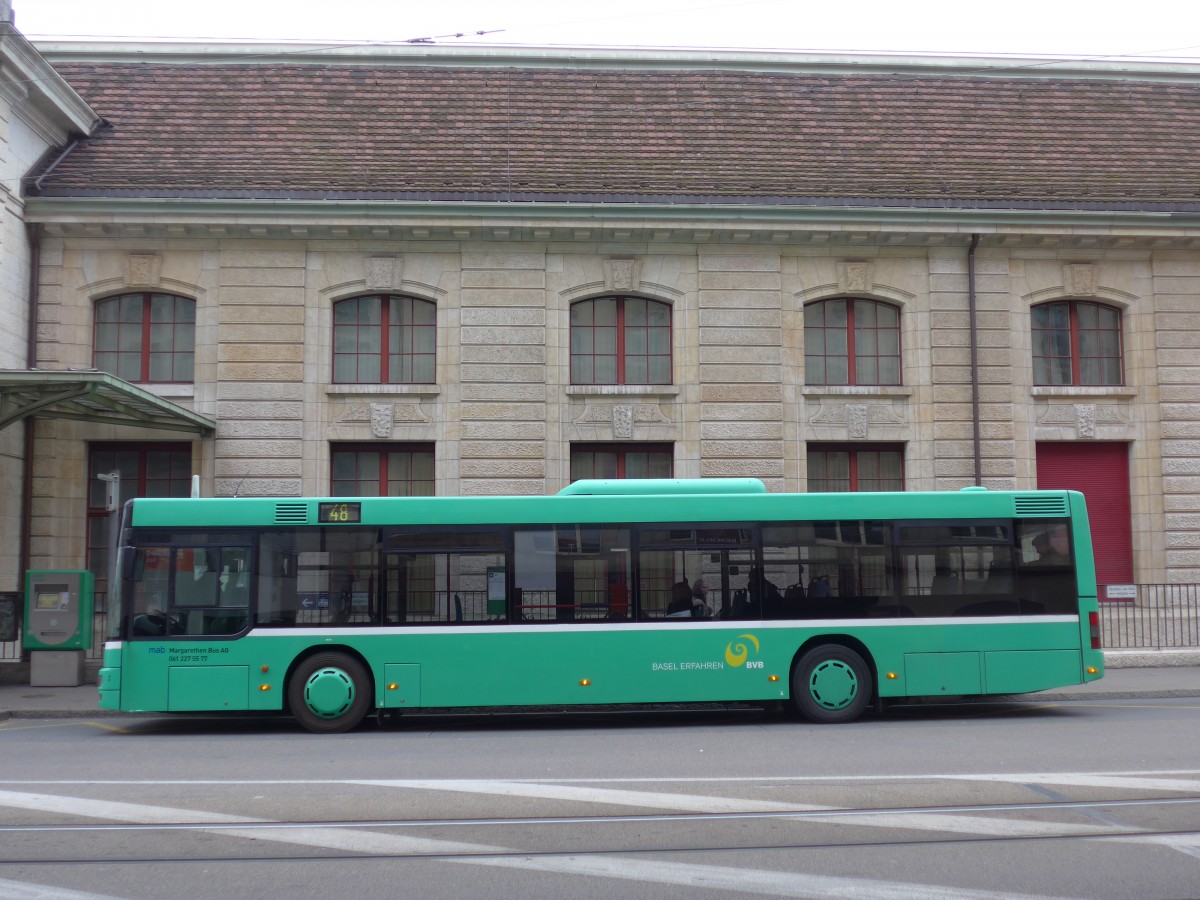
831 683
330 693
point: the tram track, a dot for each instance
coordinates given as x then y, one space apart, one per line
1193 835
329 840
627 817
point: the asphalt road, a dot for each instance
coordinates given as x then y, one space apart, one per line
1097 799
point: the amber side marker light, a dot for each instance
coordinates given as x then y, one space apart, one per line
266 668
264 687
772 678
584 682
1092 670
892 676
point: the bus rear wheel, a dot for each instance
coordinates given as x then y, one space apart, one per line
831 683
329 693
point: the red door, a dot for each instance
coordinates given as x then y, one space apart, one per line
1101 472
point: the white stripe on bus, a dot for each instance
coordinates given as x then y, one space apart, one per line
682 626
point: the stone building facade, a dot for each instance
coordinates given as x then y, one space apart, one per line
38 114
736 263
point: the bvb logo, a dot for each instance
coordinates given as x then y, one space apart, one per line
735 654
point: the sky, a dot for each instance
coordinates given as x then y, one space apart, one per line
1147 28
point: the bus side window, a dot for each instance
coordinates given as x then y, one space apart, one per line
1046 578
235 577
1000 572
277 595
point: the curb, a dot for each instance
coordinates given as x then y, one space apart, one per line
1041 697
1151 659
7 714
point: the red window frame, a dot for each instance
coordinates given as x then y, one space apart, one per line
622 332
146 353
1045 364
177 482
386 478
592 460
862 475
408 356
854 335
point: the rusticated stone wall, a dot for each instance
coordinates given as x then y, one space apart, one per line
503 414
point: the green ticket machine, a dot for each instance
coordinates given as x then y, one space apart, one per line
58 624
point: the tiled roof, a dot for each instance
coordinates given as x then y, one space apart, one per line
268 130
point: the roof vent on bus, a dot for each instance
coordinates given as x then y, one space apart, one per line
291 513
649 487
1041 505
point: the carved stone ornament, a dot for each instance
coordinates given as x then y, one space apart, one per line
408 414
622 274
1081 279
855 277
856 417
144 270
381 419
856 420
621 417
382 272
1085 418
622 422
383 416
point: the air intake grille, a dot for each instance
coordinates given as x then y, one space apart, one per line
291 513
1041 506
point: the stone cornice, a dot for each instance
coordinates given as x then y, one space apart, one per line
735 212
498 55
615 225
42 97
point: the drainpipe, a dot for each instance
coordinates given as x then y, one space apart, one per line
34 235
36 184
978 451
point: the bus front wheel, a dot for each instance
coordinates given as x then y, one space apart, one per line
831 683
329 693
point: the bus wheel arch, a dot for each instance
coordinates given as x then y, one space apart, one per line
833 679
330 689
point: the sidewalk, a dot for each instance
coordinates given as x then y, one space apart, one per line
1128 676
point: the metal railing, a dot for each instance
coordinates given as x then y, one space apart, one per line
1162 616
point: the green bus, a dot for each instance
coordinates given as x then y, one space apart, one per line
610 592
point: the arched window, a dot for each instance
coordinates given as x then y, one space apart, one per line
1076 342
146 337
851 341
384 339
620 340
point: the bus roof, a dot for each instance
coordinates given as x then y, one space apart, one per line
641 487
667 500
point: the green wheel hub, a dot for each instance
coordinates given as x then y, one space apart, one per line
329 692
833 685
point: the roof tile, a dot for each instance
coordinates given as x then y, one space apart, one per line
403 131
